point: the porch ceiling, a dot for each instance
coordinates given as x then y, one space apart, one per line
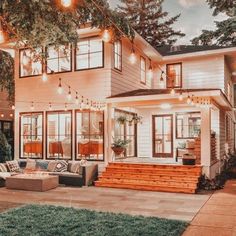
149 97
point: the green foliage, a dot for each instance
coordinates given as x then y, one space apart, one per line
5 149
225 33
120 143
61 221
150 21
7 74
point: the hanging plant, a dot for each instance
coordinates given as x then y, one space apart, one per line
137 119
122 119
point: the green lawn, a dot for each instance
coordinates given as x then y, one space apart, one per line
35 220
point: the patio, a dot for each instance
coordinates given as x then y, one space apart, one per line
166 205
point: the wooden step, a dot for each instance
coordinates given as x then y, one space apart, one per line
149 182
150 177
145 187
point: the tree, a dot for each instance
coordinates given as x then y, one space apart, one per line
150 21
225 32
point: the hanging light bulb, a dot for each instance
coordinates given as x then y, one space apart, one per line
181 96
150 71
13 107
11 115
69 96
60 89
66 108
44 77
132 57
2 38
87 104
188 100
106 36
197 103
192 101
162 80
50 106
82 103
2 115
172 92
66 3
77 99
32 106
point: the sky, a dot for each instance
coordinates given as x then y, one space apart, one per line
195 16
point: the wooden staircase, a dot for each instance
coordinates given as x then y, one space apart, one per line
153 177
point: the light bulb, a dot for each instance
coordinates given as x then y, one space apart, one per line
13 107
77 99
2 115
188 100
60 90
44 77
66 3
181 96
132 57
66 109
106 36
2 39
172 92
192 102
11 115
50 106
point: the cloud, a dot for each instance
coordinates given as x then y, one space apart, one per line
190 3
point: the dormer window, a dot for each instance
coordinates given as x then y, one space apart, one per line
89 54
58 59
118 55
174 75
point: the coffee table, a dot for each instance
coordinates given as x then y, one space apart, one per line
32 182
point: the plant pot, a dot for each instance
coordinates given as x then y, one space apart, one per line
188 160
118 150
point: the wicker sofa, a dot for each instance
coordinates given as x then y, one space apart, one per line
86 176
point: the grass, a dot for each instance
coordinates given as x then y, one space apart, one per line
37 220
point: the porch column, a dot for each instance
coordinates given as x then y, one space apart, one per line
109 132
206 140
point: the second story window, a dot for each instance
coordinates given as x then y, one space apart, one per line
174 75
118 55
58 59
30 63
143 70
89 54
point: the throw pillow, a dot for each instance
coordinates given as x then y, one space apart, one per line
74 167
30 165
13 166
3 167
51 166
61 166
41 165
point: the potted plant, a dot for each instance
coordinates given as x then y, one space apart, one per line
119 146
121 119
5 149
188 159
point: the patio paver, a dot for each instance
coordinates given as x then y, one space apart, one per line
147 203
218 216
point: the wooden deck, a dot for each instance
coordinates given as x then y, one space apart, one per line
153 177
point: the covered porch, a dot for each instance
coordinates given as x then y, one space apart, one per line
163 127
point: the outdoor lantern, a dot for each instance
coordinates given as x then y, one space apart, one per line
106 36
66 3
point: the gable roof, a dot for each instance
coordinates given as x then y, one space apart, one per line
169 50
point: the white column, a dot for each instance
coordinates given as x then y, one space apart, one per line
206 140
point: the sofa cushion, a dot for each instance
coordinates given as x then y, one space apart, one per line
3 175
13 166
74 167
68 174
30 164
61 166
3 167
42 165
51 166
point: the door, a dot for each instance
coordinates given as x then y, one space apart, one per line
162 126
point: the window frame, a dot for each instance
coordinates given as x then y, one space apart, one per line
176 123
76 139
71 135
59 72
76 50
181 75
27 76
119 56
20 120
145 74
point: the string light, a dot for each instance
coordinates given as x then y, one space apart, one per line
82 103
106 36
66 108
50 106
132 57
172 92
69 96
2 38
44 77
32 106
192 101
60 89
181 96
66 3
13 107
76 99
150 71
188 100
162 79
11 115
87 104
